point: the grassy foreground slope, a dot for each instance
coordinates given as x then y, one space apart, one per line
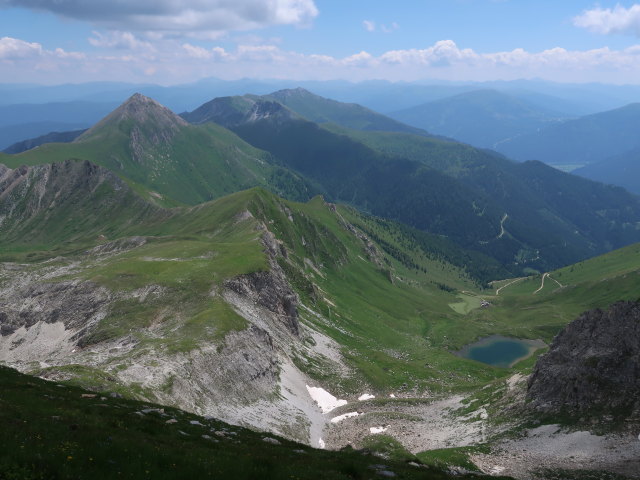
56 431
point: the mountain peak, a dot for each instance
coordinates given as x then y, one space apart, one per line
233 111
141 111
292 92
140 107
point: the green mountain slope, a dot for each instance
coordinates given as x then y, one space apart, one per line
516 214
566 292
323 110
149 145
581 141
371 285
483 118
299 103
239 307
49 206
530 193
216 308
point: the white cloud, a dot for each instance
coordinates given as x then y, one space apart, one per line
441 54
361 59
611 20
196 51
120 40
60 53
16 49
181 62
369 25
260 53
173 17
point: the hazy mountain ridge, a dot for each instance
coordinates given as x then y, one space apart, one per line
483 118
622 170
51 137
585 140
323 110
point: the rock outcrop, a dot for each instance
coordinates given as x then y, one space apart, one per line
593 365
270 289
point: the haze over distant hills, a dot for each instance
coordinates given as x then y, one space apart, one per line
91 101
483 118
587 139
622 170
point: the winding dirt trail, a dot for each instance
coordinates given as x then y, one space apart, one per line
542 284
507 284
502 230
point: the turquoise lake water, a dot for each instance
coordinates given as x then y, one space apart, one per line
500 351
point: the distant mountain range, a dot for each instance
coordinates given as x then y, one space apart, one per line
382 96
24 121
483 118
581 141
522 215
52 137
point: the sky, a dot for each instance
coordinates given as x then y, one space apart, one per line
181 41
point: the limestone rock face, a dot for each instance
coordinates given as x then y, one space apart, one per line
270 289
593 364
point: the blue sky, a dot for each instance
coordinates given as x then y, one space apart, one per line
170 41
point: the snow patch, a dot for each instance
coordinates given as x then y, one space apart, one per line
392 396
339 418
366 396
378 429
324 399
321 443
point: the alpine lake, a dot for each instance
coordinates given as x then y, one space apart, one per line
500 351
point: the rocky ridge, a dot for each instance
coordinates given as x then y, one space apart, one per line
593 365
